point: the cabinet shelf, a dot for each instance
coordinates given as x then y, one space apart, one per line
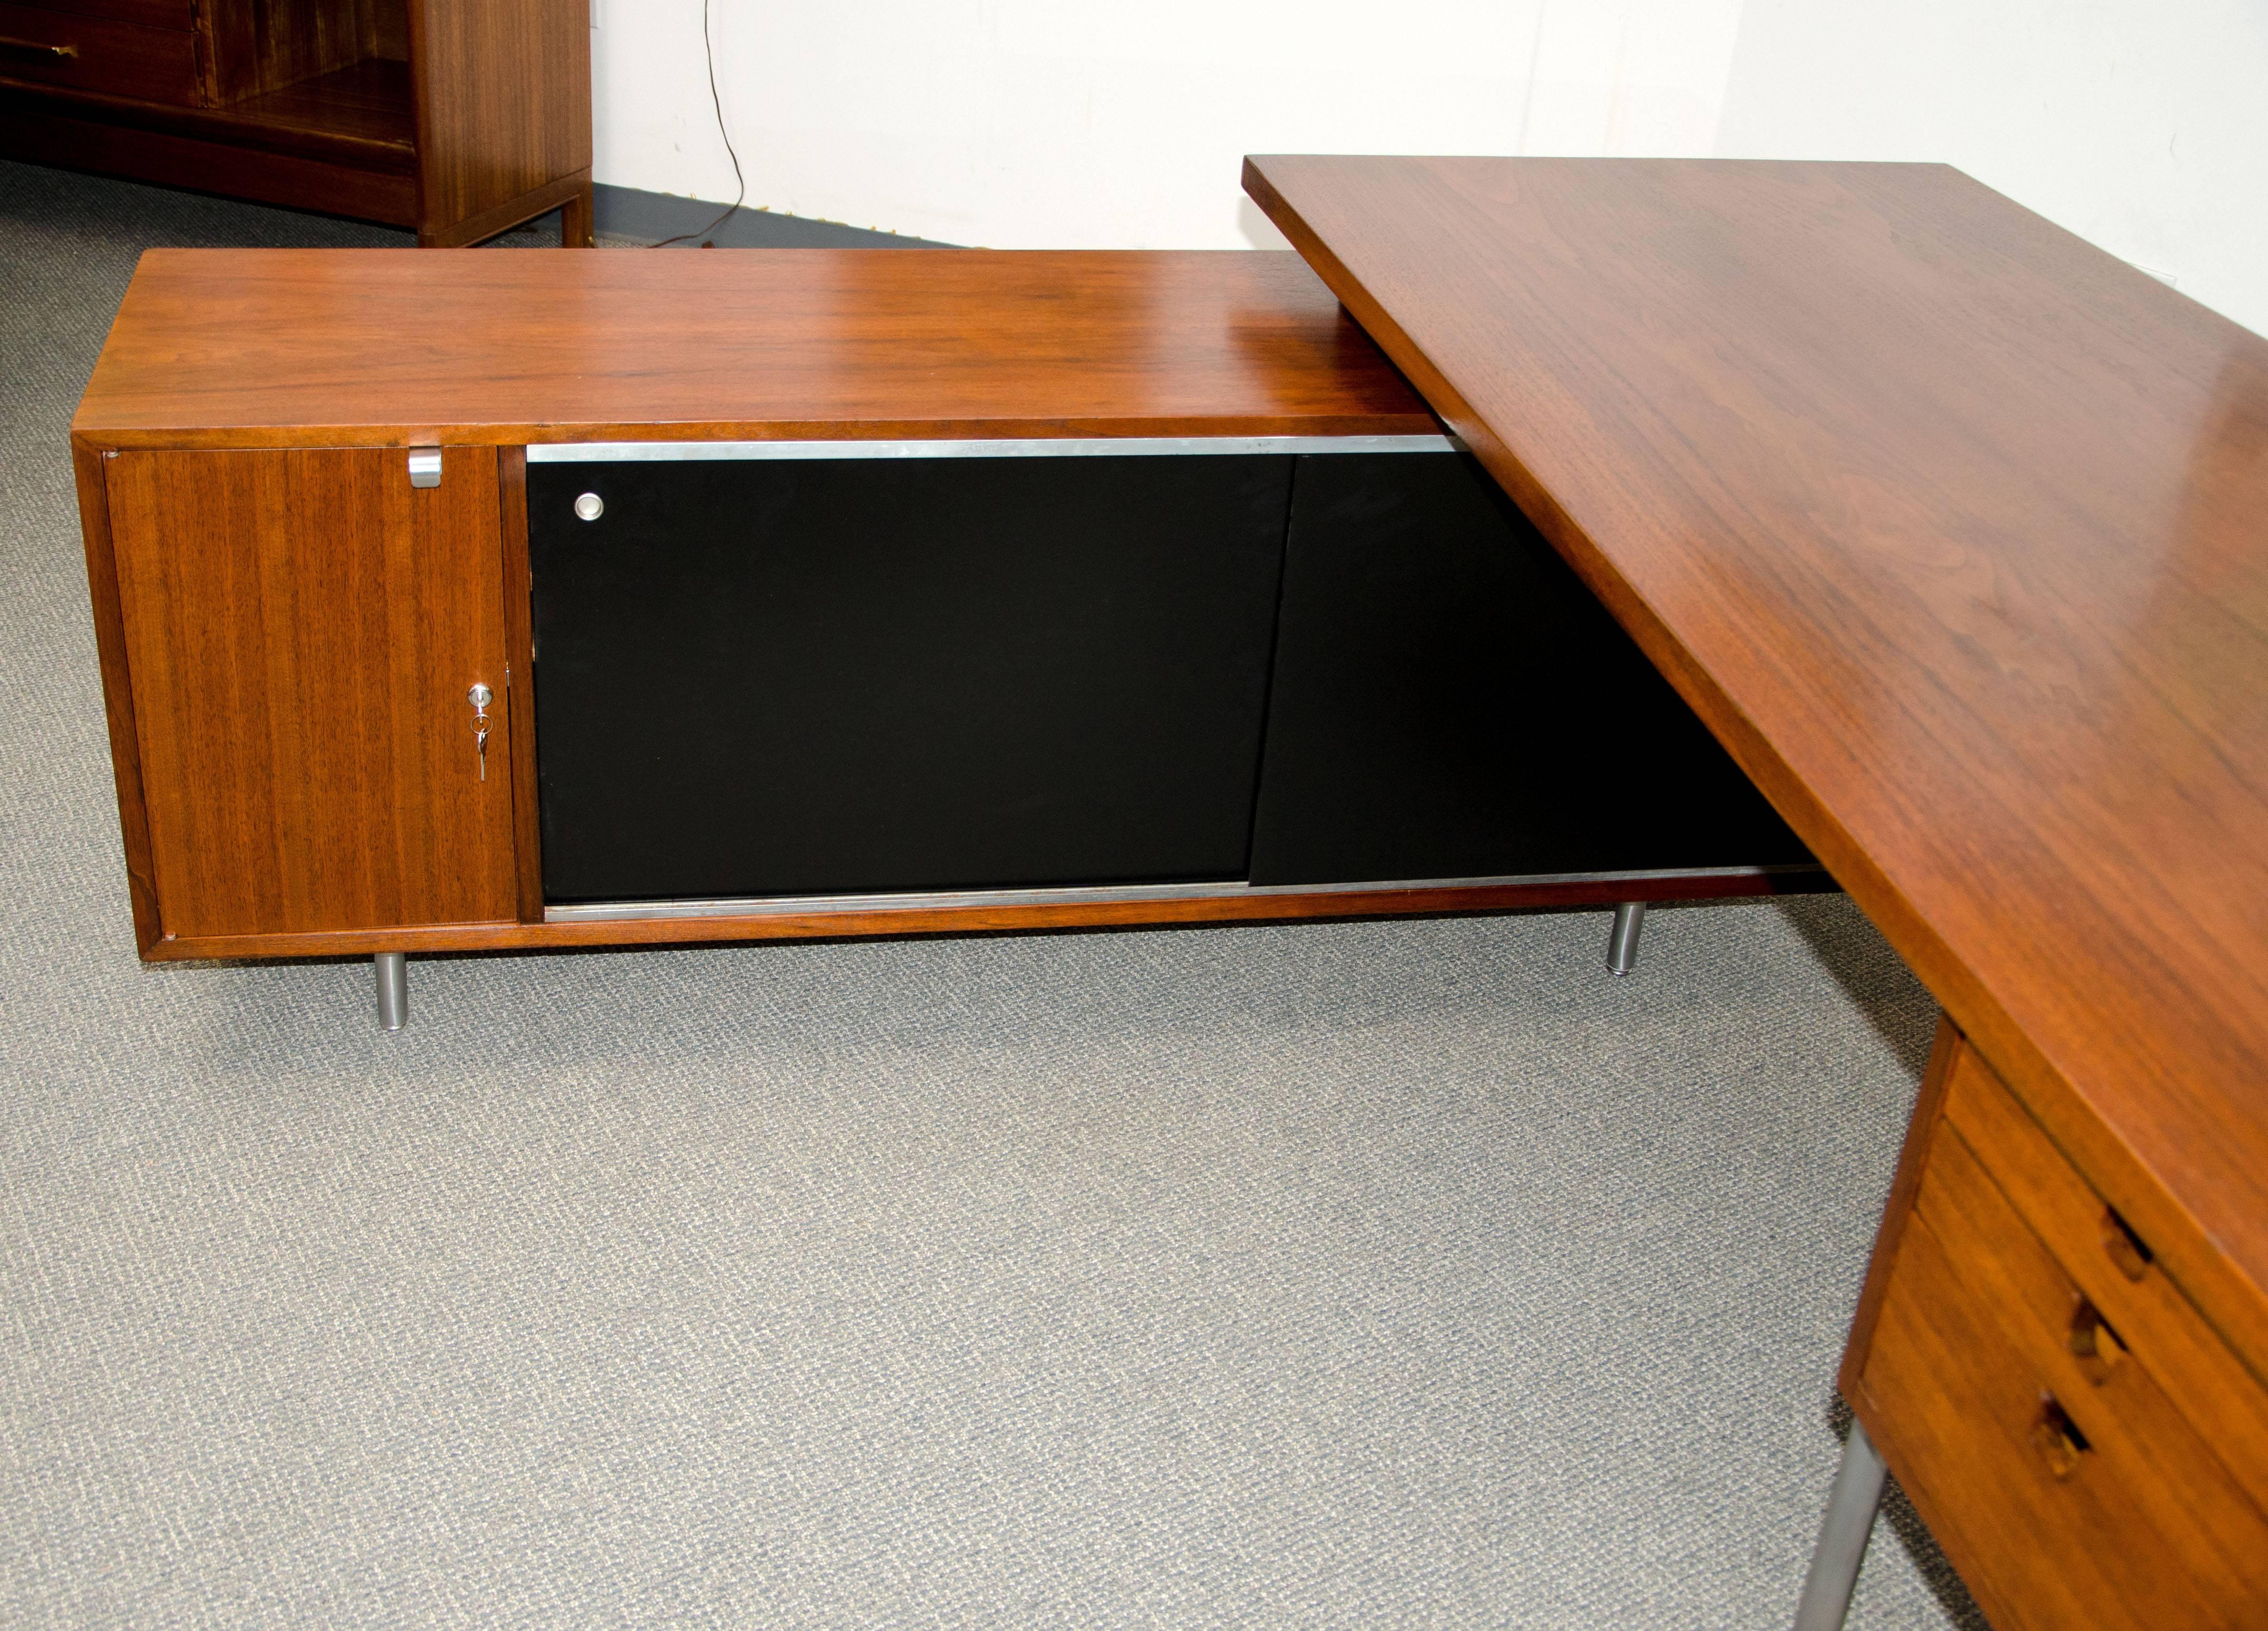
365 107
359 115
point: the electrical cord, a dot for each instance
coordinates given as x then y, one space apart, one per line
709 44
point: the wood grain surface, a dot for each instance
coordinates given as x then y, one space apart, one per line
358 117
1898 1207
2175 1426
578 217
568 192
2153 1319
300 629
2136 1530
360 113
99 54
1236 907
315 348
1952 528
253 46
88 469
501 93
203 147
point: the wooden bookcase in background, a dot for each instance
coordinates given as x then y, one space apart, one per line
456 118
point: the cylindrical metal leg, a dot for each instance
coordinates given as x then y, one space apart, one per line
1621 945
392 989
1843 1537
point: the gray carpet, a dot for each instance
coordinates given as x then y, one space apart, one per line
1364 1275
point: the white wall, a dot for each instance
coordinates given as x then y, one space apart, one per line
2141 127
1076 123
1099 124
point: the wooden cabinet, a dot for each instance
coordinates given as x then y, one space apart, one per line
302 629
954 608
766 688
2082 1443
459 118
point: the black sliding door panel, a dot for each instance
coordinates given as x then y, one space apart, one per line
789 676
1450 702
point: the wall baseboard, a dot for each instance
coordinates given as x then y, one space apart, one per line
629 212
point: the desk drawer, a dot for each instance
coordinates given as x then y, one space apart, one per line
2104 1261
2063 1504
99 54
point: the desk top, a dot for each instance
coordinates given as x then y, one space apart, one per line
1956 530
310 348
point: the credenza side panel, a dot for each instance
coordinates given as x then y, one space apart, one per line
89 466
302 629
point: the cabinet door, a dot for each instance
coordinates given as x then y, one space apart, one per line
1450 702
302 629
814 676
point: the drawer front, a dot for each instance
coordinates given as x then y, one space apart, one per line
151 13
2170 1478
2222 1401
2053 1525
100 54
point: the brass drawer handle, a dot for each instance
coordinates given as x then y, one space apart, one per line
38 46
2094 1343
2057 1438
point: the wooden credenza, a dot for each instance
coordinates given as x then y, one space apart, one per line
456 118
458 604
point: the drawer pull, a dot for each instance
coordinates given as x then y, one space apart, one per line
2094 1343
2057 1438
38 47
2123 1245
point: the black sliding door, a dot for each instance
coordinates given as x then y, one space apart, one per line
791 676
1450 702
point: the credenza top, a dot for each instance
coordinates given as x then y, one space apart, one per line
217 348
1956 530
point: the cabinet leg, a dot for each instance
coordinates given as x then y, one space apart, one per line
578 223
1843 1537
392 989
1621 945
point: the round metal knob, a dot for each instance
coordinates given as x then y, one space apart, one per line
589 506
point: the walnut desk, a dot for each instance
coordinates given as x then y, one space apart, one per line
1955 531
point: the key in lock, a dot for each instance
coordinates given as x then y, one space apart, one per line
480 696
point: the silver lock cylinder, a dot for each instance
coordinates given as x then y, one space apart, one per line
589 506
